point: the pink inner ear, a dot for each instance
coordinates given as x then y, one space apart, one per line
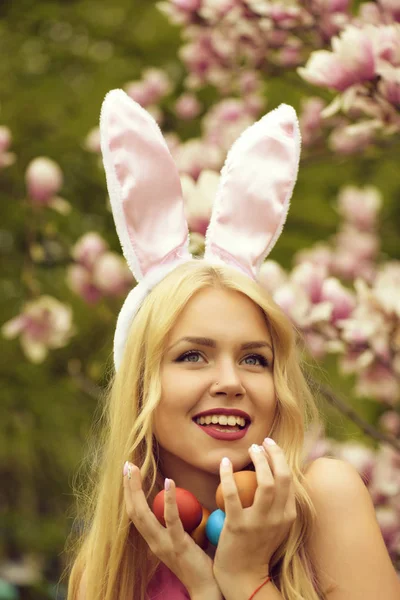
288 128
144 186
257 182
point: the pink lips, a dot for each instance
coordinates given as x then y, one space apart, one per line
212 431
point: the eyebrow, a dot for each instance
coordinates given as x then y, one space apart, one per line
203 341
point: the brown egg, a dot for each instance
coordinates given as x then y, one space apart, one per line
246 483
199 534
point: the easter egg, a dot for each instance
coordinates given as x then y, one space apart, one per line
189 508
246 483
199 534
215 523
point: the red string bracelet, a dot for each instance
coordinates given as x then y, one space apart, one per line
259 587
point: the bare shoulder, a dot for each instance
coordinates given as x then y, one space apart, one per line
346 544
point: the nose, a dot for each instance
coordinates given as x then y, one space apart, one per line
227 382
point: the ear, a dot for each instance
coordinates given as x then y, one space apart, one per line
144 186
253 196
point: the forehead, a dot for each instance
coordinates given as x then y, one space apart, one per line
221 313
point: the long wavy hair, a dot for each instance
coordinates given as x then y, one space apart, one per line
104 544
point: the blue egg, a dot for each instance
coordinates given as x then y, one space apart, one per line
214 525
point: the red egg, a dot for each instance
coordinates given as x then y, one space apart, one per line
189 508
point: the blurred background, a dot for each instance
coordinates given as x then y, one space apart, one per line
205 70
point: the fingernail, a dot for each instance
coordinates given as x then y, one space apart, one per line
126 467
167 484
225 462
256 448
270 442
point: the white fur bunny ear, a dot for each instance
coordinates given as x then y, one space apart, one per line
146 200
144 186
253 196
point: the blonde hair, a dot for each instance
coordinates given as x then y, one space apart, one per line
104 544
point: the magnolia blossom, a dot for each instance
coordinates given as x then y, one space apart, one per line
92 140
360 206
187 106
97 272
352 60
195 155
154 85
6 158
44 179
43 324
354 138
272 276
311 119
199 197
112 275
88 249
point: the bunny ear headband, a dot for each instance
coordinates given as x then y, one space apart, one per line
249 211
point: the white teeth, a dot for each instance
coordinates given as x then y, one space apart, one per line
222 420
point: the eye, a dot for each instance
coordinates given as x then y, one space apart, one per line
190 356
262 361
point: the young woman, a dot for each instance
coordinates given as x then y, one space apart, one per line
202 336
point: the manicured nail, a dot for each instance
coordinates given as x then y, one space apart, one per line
225 462
167 484
270 442
256 448
126 467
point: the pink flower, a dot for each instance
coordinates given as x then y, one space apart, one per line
187 5
44 324
342 299
392 7
390 422
153 86
89 248
310 278
354 138
79 280
294 302
199 197
351 61
311 120
320 254
187 107
380 383
92 141
272 276
111 274
389 85
360 206
5 139
44 179
6 158
195 155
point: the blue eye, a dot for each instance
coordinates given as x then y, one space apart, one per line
190 356
262 361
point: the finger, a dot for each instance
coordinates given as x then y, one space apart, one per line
138 509
281 473
265 491
171 513
291 506
233 505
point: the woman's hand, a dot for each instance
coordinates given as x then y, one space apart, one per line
251 535
171 544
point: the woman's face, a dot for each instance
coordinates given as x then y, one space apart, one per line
226 321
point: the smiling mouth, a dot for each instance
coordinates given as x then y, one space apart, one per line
223 428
